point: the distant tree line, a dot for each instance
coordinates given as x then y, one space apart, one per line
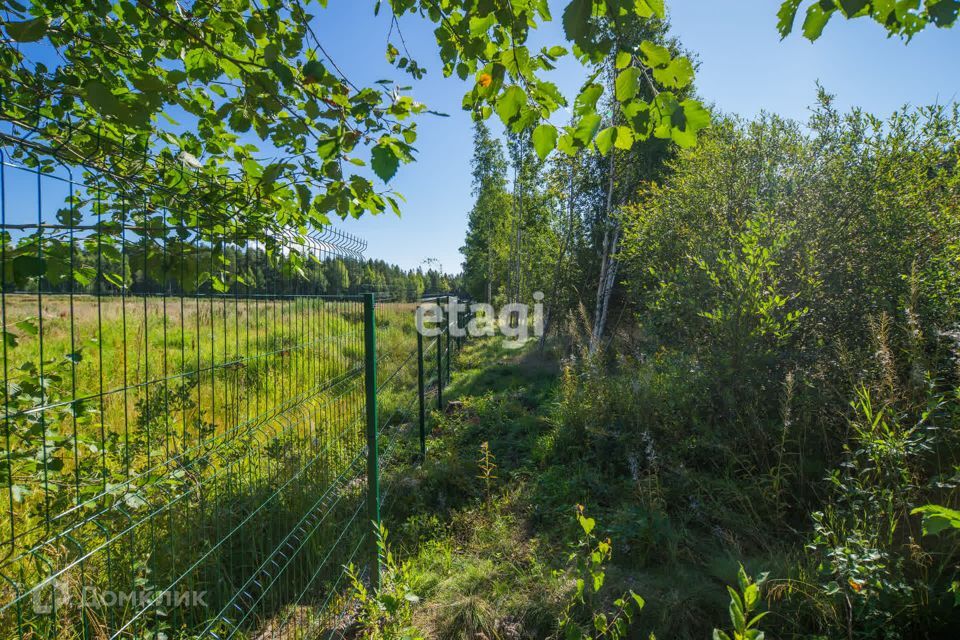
181 268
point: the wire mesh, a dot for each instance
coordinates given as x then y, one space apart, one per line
183 442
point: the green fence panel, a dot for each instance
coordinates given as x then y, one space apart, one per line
191 413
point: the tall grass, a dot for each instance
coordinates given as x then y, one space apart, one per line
207 444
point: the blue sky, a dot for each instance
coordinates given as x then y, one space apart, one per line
745 69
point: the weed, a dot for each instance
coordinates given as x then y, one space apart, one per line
488 469
587 568
742 605
385 613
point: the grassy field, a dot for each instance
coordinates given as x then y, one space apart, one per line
489 538
205 444
500 558
480 550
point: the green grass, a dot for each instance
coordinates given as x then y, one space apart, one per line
683 504
481 571
499 571
185 442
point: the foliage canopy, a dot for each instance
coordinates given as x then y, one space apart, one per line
904 18
244 93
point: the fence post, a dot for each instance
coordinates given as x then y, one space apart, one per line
420 393
440 366
373 452
459 340
449 353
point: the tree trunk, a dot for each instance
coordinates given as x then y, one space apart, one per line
607 281
607 265
567 240
489 264
519 255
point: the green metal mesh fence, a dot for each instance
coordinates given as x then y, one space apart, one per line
185 441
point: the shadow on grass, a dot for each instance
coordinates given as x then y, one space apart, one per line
497 395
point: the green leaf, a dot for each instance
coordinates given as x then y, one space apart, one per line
392 53
736 610
659 8
691 118
510 103
787 15
624 138
28 30
517 62
605 140
271 53
29 326
816 20
623 59
944 13
550 93
676 75
937 518
642 8
303 196
385 161
150 83
638 114
10 339
270 173
587 524
664 107
586 102
313 71
600 622
556 51
544 140
479 26
597 582
576 21
587 128
853 7
566 144
99 96
327 147
654 55
757 618
627 84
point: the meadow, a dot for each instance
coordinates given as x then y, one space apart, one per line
198 444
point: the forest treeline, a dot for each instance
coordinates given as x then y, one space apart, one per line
138 268
776 379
